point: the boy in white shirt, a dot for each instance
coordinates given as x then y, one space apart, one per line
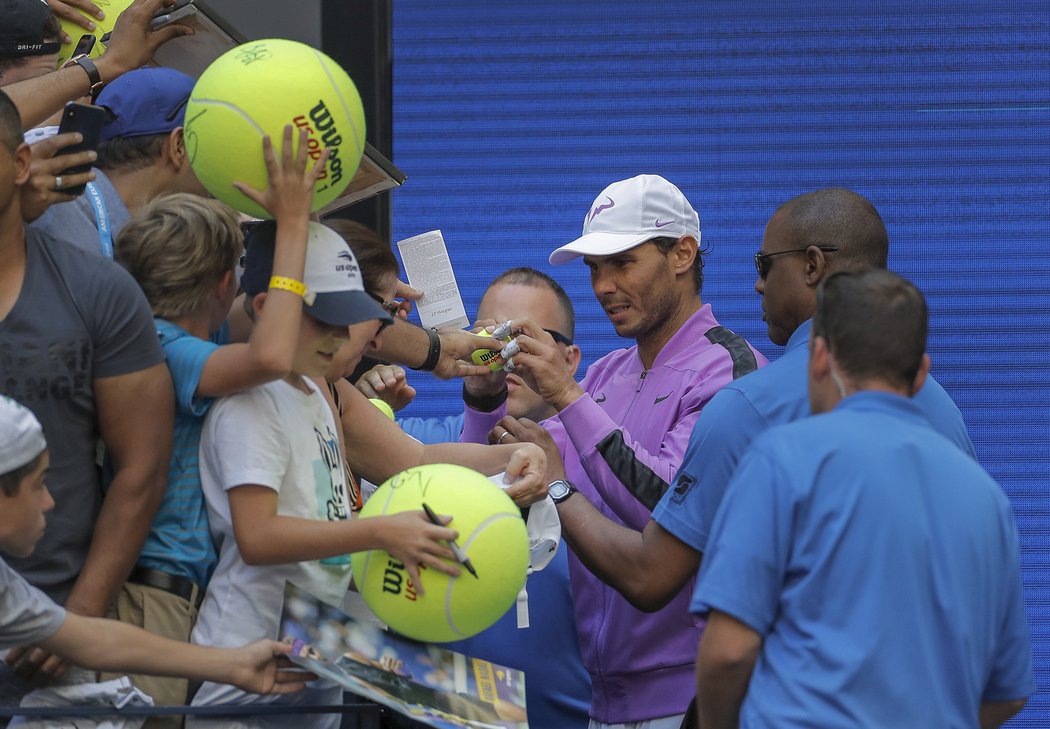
275 487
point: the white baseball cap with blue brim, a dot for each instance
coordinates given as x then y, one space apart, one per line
335 288
629 213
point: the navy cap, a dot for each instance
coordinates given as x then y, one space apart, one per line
145 101
335 289
22 29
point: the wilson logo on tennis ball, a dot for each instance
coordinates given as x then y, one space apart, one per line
323 124
396 580
253 91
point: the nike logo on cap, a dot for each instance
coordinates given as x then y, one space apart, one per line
663 223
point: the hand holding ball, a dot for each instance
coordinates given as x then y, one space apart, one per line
255 90
491 533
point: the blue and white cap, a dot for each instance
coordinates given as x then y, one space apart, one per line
629 213
335 289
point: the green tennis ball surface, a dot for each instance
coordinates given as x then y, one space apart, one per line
112 9
256 89
491 532
383 407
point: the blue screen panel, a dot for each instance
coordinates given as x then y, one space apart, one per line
510 118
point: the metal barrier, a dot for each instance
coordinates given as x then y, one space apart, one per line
355 715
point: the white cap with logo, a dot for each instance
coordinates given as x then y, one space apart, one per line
21 437
629 213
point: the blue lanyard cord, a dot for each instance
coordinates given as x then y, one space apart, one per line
105 236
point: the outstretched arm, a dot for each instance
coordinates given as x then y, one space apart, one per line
108 645
648 567
131 45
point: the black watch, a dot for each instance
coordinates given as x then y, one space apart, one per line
560 490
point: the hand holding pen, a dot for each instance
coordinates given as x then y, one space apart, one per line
461 556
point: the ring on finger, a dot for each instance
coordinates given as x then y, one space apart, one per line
58 182
502 435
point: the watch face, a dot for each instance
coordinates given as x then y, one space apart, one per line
558 490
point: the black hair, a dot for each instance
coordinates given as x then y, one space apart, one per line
130 153
10 124
875 324
12 480
665 244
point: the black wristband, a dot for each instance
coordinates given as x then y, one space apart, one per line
434 354
484 403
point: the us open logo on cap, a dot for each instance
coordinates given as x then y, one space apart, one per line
347 264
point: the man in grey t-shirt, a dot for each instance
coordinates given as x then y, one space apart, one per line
78 348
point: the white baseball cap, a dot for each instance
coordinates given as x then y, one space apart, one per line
629 213
21 437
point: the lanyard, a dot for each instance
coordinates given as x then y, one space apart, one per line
105 236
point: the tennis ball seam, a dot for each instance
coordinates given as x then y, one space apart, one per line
368 557
231 107
466 544
321 59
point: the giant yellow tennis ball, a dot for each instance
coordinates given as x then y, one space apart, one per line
491 533
112 9
256 89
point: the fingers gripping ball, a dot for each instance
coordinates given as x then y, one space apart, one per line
491 532
112 9
256 89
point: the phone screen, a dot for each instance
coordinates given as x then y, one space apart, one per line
88 120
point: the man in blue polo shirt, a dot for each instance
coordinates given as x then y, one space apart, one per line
861 570
808 238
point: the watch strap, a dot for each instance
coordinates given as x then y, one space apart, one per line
85 62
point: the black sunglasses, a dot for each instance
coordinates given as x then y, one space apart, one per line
763 264
559 337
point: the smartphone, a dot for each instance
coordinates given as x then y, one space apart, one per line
88 120
181 9
84 46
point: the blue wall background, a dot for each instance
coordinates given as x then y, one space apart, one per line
509 118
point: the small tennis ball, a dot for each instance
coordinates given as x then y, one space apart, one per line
256 89
383 407
491 533
112 9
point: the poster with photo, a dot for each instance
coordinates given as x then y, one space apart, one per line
425 682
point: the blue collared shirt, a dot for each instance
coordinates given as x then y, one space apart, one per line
880 567
746 408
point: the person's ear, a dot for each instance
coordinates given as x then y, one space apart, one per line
23 162
819 358
685 251
816 266
573 355
921 375
176 148
257 305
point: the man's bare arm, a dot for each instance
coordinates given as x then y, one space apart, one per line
131 46
135 414
724 662
648 568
